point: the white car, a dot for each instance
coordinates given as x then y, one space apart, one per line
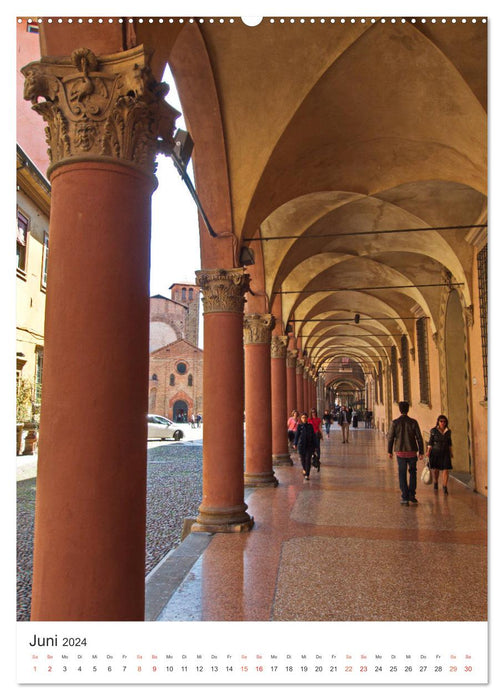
161 428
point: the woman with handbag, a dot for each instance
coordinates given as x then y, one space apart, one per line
439 452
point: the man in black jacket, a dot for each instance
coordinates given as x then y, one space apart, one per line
405 438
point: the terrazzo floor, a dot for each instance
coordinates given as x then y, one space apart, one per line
340 547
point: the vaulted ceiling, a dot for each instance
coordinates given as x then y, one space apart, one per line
351 157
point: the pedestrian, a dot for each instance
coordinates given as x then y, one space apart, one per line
304 442
327 418
292 424
439 452
405 438
198 420
317 429
344 421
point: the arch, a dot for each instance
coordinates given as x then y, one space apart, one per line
180 411
152 400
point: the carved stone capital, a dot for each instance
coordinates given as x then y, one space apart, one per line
257 329
291 359
299 366
223 290
279 346
101 108
306 372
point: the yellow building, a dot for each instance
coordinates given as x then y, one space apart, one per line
32 248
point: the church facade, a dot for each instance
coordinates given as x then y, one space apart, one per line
176 361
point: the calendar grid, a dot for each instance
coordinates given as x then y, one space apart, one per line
269 653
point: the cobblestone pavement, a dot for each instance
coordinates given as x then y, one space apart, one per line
174 492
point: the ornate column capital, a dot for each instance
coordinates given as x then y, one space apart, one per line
279 346
291 358
299 366
257 329
223 290
101 108
306 372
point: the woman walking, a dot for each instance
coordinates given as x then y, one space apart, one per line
439 452
304 442
292 424
327 418
317 429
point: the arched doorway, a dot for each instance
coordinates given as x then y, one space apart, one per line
180 411
456 385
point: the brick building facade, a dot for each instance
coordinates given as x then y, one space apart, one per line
176 361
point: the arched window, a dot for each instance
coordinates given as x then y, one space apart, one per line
405 368
172 380
184 290
154 378
191 294
189 380
395 374
423 359
380 381
152 399
483 300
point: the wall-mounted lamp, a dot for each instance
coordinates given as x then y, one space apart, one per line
246 256
183 148
181 155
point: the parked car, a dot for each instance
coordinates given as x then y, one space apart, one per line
161 428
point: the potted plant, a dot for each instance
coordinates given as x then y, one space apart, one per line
24 417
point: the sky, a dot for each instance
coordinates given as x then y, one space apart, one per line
175 251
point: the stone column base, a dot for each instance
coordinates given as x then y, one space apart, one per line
283 460
223 520
261 479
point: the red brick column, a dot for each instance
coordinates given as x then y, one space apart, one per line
258 459
280 446
222 508
291 381
300 386
306 390
313 389
89 545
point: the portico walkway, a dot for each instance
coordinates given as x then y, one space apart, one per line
338 547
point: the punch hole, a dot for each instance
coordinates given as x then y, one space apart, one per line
252 21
